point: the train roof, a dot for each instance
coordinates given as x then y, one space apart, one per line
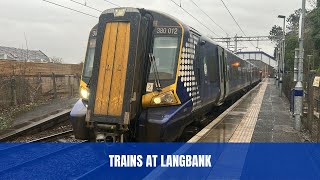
187 27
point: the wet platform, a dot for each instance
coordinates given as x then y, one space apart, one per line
38 115
259 116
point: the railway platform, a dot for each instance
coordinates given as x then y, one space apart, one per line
259 116
38 118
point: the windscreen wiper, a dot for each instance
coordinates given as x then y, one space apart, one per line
89 81
155 71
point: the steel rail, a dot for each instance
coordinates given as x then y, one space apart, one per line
53 136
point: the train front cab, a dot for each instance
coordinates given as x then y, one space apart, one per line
124 68
79 110
119 72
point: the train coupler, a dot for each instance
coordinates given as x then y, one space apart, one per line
109 137
110 133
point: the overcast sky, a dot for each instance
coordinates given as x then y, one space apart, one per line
63 33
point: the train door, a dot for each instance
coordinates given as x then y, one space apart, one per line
227 74
222 74
114 84
204 72
113 65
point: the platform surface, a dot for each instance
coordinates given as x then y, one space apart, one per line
37 114
261 116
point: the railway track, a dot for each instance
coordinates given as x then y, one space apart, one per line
54 137
46 129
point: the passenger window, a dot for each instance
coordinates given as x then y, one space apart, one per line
226 69
211 67
205 67
228 72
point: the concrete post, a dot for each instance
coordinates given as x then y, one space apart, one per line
280 68
276 73
279 64
283 53
298 94
284 45
14 91
296 64
54 86
299 87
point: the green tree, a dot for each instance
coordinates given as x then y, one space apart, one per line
311 36
293 21
314 23
275 33
292 43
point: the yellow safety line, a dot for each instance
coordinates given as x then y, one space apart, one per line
244 131
220 118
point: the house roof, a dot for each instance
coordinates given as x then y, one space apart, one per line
23 54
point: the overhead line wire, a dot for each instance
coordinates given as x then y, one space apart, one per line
112 3
65 7
235 21
85 5
194 17
210 18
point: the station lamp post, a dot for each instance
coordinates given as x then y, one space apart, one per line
282 55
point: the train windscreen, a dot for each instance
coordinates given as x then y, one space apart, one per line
87 70
165 51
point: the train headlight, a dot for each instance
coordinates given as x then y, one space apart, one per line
119 12
84 93
166 98
157 100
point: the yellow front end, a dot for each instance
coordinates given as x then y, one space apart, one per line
168 95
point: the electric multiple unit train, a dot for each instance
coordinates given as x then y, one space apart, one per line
147 76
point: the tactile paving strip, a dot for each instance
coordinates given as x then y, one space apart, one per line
244 131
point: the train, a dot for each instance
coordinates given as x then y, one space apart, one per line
147 77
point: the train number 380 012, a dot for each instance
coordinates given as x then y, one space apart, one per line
166 30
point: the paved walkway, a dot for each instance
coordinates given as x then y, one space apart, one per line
261 116
274 123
